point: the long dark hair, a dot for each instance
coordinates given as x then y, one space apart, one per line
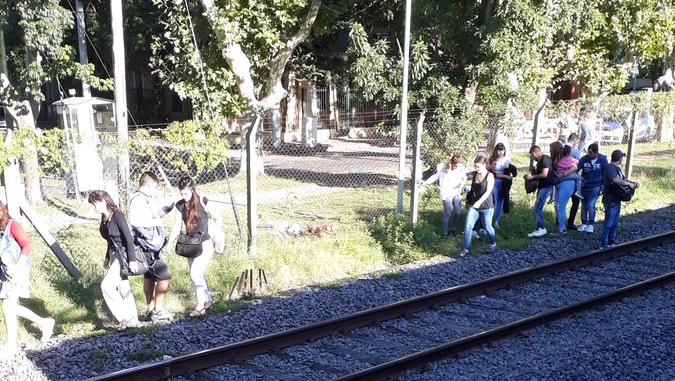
194 206
4 216
101 195
556 149
498 146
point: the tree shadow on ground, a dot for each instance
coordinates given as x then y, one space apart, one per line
341 180
67 209
651 172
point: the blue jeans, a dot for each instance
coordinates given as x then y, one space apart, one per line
591 195
542 196
564 191
451 210
499 200
612 216
472 216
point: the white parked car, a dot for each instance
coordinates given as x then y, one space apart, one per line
611 132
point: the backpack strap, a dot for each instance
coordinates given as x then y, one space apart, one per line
203 200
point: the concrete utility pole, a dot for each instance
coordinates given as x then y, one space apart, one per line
120 98
404 109
82 43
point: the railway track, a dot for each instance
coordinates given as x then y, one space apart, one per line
391 339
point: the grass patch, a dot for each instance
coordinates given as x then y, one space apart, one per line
146 354
394 275
366 237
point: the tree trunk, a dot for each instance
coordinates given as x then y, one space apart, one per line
276 127
22 114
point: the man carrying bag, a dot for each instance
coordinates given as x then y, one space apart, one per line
148 231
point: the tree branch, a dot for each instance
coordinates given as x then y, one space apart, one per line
20 111
234 55
274 91
240 65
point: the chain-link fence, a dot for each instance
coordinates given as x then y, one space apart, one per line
321 186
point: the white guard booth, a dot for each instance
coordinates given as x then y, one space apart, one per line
82 119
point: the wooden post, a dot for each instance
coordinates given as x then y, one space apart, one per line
631 145
417 170
252 194
49 239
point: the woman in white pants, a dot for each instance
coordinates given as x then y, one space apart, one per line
15 282
194 216
115 285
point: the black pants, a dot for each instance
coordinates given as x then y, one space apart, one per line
573 210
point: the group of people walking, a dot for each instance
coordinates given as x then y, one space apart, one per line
560 177
487 195
193 241
146 236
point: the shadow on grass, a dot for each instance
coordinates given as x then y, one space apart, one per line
339 180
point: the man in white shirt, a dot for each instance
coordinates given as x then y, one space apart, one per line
148 230
587 130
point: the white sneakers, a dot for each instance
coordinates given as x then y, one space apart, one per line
586 228
538 233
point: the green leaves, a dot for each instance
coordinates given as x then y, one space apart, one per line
36 32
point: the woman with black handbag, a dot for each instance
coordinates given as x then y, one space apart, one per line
195 242
115 285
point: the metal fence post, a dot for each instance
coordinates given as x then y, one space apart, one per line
417 170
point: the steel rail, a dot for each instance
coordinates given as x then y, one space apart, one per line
193 362
440 352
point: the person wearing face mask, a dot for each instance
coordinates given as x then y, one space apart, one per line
148 231
195 243
115 285
592 166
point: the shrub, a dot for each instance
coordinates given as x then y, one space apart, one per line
401 241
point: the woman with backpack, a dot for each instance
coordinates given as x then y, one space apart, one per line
195 243
115 285
15 249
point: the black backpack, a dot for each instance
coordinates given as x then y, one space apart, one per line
624 192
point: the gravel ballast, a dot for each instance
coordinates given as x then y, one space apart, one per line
67 359
632 340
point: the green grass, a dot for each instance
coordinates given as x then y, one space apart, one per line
357 244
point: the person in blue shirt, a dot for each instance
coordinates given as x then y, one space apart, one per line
592 166
573 142
611 178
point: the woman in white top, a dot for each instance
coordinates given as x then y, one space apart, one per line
499 165
451 179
